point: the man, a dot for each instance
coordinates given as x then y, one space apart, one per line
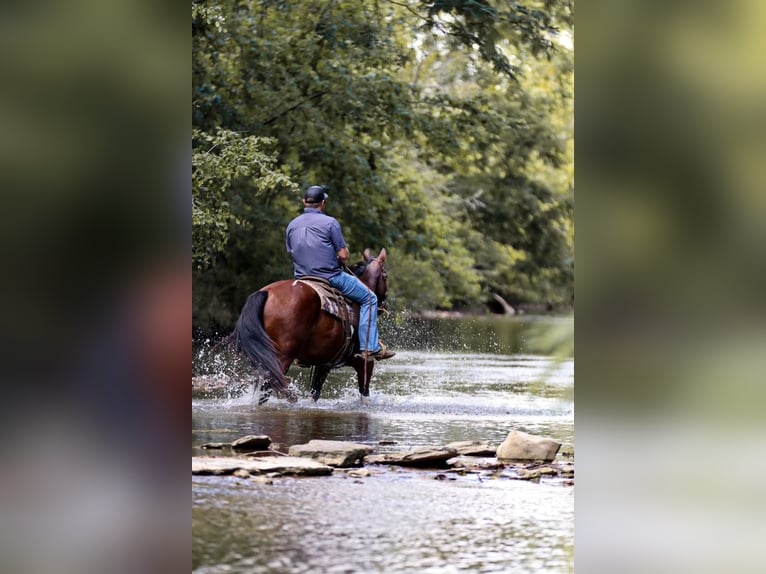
315 241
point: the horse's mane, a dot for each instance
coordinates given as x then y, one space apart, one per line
359 268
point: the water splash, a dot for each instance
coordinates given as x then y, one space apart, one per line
219 372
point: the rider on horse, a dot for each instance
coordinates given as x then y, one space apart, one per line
315 241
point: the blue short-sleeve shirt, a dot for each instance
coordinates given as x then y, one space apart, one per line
314 239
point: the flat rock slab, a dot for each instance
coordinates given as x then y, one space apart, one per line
216 445
466 462
258 453
474 447
332 452
423 456
277 465
251 442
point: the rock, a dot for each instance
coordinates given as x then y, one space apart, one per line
567 470
332 452
519 446
251 442
359 473
216 445
473 448
423 456
274 466
467 463
528 474
242 473
264 453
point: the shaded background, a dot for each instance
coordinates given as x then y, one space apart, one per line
670 283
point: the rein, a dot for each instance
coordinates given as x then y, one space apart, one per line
369 323
367 338
366 354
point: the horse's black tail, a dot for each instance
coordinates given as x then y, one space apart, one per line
251 338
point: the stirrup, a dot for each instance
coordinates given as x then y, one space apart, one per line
380 354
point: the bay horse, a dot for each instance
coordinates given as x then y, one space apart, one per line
283 322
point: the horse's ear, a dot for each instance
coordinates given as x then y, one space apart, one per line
367 254
382 255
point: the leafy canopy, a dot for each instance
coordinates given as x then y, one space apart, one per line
442 128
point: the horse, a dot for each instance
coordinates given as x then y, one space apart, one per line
283 323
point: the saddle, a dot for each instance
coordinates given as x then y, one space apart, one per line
333 302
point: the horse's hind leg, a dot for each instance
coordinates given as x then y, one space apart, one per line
266 388
318 376
265 394
289 389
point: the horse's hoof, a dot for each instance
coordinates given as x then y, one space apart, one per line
290 394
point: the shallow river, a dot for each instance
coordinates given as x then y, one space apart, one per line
467 379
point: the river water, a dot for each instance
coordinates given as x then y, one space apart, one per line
452 379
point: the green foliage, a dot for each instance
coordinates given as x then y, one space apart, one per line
478 24
442 128
217 162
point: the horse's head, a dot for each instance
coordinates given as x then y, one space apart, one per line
371 272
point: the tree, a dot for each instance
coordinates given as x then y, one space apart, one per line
218 162
429 121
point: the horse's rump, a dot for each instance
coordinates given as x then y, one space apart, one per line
333 302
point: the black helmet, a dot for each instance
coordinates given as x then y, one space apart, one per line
315 194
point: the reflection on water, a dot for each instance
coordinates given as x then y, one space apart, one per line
534 335
381 525
436 392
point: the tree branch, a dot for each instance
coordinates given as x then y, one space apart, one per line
272 119
403 5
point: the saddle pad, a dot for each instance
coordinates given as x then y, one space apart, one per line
331 299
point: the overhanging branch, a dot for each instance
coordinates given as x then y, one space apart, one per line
272 119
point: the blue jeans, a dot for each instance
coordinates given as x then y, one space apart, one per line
357 291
